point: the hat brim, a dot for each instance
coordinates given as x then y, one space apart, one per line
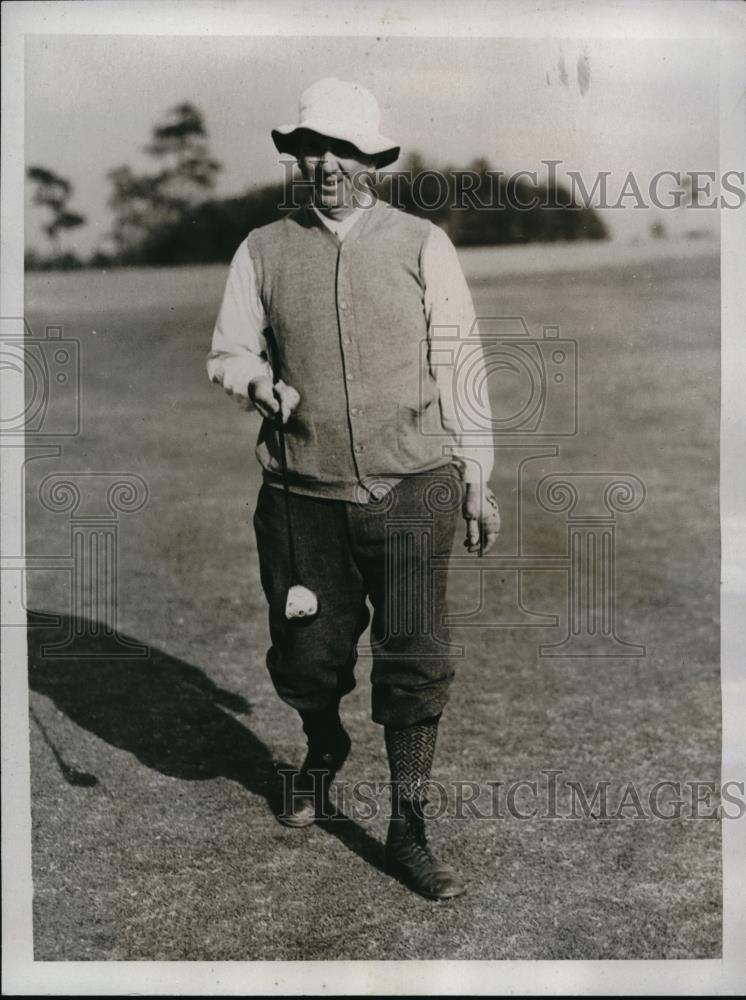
385 151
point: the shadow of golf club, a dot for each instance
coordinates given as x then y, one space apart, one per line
165 712
72 775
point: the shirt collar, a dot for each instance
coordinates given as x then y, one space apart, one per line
342 226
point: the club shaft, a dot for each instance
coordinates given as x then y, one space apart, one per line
286 491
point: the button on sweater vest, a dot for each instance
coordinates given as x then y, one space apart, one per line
348 331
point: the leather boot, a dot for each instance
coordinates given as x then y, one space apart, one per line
410 751
409 858
306 797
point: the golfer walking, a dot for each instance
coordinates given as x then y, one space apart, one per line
322 328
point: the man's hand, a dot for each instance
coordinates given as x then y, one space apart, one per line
482 517
270 399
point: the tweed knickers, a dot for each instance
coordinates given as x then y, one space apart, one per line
394 552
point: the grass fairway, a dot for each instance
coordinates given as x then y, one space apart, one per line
153 830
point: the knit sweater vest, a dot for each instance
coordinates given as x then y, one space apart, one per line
348 331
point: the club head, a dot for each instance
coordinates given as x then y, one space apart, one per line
301 602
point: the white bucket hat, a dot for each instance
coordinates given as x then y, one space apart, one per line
339 110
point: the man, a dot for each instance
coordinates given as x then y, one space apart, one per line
322 328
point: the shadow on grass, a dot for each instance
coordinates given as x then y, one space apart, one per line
165 712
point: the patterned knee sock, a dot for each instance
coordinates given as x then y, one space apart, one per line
410 751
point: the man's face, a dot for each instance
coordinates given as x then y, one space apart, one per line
338 171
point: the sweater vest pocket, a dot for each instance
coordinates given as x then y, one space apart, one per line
419 434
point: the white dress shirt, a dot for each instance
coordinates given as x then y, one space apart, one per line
239 347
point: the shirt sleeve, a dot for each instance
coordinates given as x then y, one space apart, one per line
451 320
239 348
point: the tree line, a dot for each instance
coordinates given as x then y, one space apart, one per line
169 215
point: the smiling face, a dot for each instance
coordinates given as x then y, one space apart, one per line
339 172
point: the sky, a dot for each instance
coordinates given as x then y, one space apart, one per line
642 106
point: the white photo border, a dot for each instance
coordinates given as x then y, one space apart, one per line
723 23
